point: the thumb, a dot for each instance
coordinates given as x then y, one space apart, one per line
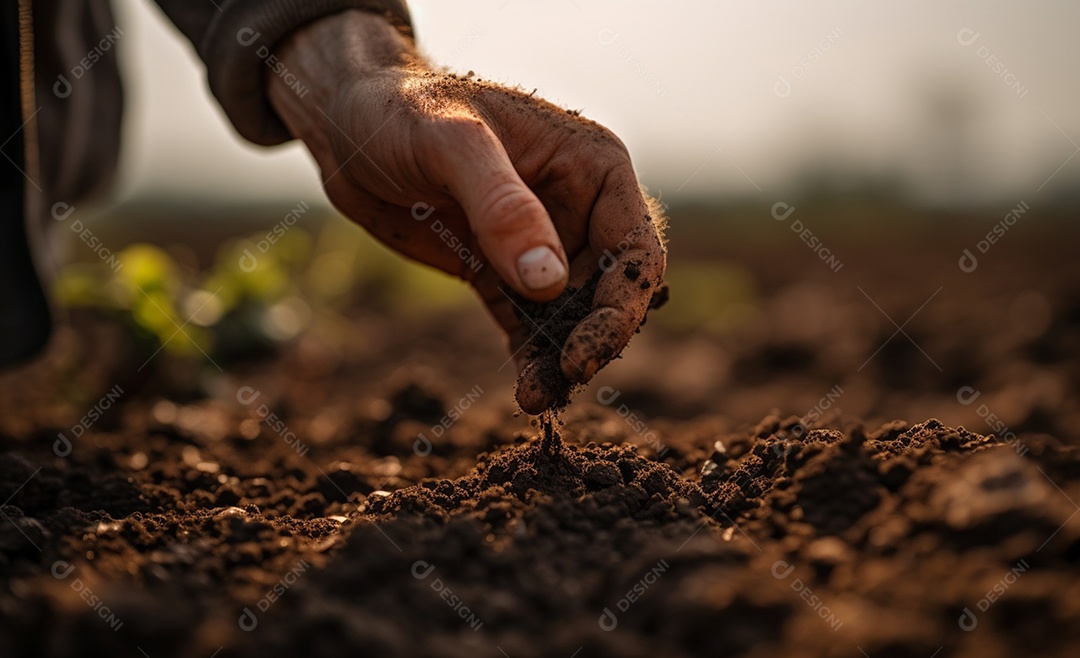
510 223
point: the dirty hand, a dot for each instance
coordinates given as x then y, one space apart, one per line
476 179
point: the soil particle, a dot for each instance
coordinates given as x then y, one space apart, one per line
544 469
660 295
544 386
550 324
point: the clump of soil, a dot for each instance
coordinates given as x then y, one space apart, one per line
550 323
541 469
543 386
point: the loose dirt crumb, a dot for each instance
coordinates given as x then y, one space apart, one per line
551 323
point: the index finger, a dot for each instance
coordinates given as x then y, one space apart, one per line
625 231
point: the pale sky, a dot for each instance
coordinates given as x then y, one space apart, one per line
695 91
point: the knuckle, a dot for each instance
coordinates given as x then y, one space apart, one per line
438 135
610 143
509 209
462 125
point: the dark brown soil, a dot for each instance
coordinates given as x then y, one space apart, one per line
670 520
544 387
548 325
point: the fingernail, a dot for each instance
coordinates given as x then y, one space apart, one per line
539 268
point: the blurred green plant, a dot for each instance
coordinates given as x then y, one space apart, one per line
261 290
144 292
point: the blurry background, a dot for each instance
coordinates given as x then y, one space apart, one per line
867 197
944 101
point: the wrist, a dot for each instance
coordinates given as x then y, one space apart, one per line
321 60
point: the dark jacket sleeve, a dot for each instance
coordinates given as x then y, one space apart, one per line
234 39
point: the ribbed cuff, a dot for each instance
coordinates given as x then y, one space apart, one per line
238 47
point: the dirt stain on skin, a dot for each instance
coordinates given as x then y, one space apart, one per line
543 387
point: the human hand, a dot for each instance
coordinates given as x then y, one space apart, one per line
479 180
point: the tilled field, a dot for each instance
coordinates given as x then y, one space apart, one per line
742 489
